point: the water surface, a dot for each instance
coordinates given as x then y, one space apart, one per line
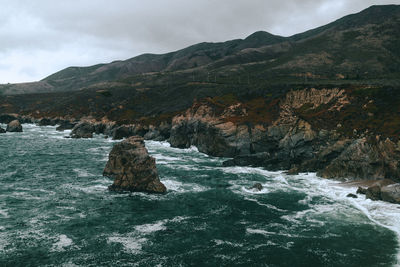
55 210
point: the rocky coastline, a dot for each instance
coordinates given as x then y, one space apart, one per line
279 136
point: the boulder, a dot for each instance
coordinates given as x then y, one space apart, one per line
257 187
47 122
361 190
373 192
132 168
391 193
2 130
351 196
14 126
83 130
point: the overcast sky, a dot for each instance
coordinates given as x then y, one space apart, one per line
40 37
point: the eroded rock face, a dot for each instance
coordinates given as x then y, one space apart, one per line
289 141
132 168
14 126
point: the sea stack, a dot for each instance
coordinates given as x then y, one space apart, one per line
14 126
132 168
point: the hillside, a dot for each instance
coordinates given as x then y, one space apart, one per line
362 46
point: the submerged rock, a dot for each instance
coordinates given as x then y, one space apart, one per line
83 130
132 168
14 126
257 187
351 196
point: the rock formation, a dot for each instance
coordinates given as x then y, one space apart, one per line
83 130
386 190
132 168
14 126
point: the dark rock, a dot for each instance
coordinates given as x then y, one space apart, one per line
2 130
132 168
99 128
47 122
66 125
391 193
14 126
82 130
361 190
257 187
373 192
122 132
7 118
352 196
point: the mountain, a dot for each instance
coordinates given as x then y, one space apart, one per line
362 46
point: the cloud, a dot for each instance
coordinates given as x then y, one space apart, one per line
43 36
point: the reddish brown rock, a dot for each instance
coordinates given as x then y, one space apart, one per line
132 168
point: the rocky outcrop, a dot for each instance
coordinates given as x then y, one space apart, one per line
366 160
14 126
7 118
290 141
386 190
83 130
132 168
212 133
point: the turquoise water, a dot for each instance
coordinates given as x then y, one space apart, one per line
55 210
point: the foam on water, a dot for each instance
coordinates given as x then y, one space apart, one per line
62 244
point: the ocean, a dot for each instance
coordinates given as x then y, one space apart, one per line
56 210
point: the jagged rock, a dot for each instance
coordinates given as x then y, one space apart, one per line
132 168
361 190
66 125
257 187
351 196
2 130
14 126
83 130
373 192
365 160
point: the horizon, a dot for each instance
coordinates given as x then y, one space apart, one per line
52 43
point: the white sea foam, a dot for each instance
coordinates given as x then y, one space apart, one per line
150 228
176 186
81 172
224 242
131 244
62 243
4 213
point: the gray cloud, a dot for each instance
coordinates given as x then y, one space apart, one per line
43 36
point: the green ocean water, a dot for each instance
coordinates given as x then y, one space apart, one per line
55 210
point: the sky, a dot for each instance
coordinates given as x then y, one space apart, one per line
41 37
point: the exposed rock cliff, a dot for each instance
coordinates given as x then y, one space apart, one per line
290 140
132 168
